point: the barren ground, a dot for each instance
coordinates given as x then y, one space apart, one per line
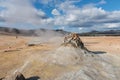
14 52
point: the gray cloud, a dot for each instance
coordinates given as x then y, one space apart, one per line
21 11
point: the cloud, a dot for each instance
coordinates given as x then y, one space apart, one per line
86 17
112 25
45 1
2 19
55 12
18 11
66 15
102 2
80 28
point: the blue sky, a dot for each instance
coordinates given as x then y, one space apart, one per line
108 5
69 15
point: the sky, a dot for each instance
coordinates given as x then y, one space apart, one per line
69 15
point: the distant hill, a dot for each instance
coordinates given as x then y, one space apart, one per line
102 33
14 31
35 32
42 32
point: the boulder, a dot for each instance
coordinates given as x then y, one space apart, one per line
15 76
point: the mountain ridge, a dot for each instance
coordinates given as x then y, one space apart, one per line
37 32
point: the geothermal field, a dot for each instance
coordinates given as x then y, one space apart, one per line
49 58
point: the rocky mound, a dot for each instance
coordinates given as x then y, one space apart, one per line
71 52
66 55
93 66
100 67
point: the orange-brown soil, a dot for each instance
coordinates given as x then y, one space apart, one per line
14 51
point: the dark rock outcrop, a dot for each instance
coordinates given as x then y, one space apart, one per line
15 76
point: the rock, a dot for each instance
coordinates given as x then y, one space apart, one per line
1 78
31 44
15 76
19 76
74 40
